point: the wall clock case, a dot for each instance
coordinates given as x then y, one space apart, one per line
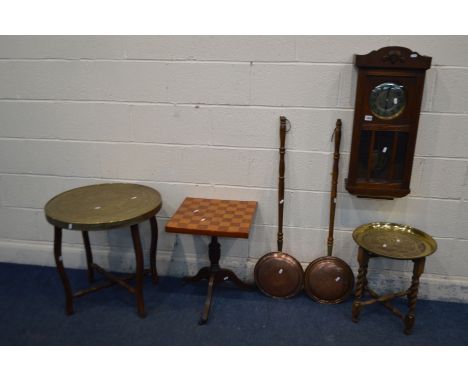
386 116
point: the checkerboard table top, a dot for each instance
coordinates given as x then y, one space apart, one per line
213 217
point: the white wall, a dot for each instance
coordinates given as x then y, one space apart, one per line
198 116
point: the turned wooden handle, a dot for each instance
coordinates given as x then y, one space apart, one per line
282 151
336 160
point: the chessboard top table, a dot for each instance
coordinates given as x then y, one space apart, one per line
213 217
103 206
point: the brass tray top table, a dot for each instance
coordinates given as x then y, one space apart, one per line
213 217
101 207
394 241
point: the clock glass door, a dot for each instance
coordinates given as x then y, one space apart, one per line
382 156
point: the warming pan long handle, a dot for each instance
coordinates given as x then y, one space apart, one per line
282 151
334 186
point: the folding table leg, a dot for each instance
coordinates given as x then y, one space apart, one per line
418 270
153 248
363 259
89 256
61 270
139 270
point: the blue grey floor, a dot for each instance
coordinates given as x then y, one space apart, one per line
32 313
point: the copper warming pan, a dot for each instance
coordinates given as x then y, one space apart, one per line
329 279
278 274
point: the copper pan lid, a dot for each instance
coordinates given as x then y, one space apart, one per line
279 275
328 280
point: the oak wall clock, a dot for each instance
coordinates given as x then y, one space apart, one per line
386 116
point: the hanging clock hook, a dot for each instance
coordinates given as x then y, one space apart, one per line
288 122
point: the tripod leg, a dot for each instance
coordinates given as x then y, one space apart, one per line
206 310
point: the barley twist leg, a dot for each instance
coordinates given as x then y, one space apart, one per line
363 259
418 269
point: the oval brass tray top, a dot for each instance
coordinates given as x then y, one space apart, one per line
396 241
103 206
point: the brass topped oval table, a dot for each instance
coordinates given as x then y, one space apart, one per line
101 207
393 241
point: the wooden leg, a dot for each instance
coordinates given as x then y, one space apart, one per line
418 269
61 270
214 253
209 296
363 259
215 275
153 248
203 274
139 270
89 256
228 275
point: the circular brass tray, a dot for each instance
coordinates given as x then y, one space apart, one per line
396 241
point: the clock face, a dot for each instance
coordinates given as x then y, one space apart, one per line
387 100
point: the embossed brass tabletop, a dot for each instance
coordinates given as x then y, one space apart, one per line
101 207
394 241
213 217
